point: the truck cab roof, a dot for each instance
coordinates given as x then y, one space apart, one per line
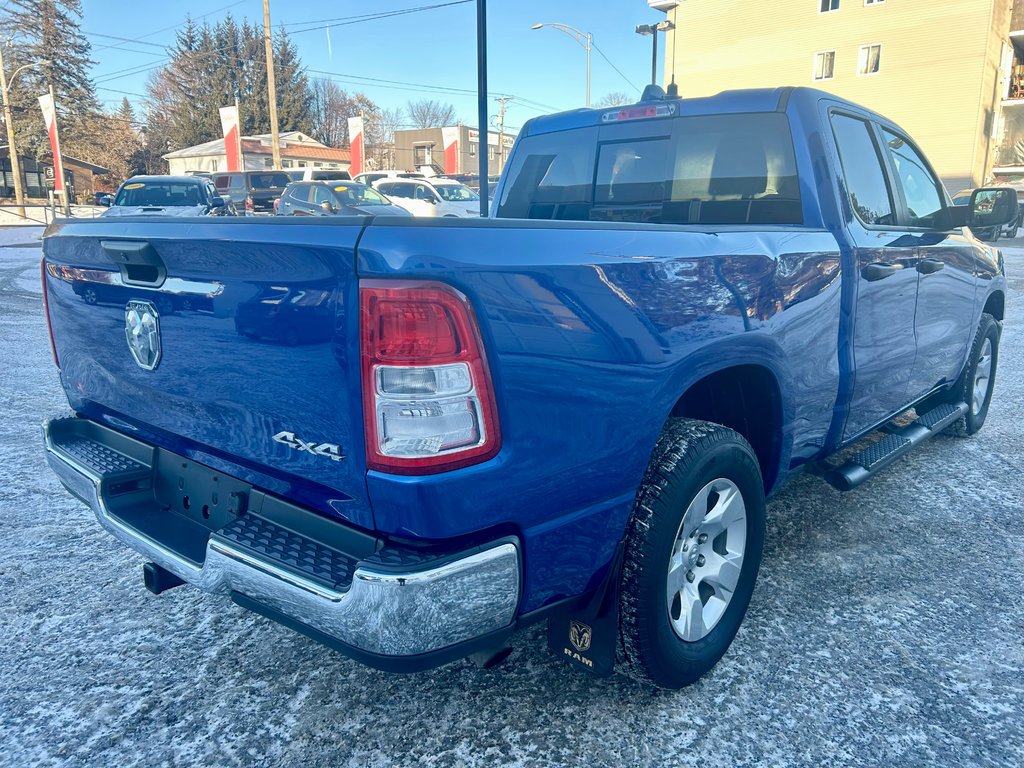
727 102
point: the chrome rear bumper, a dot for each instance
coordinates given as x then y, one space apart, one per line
384 612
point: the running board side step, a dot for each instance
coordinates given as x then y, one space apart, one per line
896 443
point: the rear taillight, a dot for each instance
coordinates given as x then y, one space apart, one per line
248 203
46 310
428 401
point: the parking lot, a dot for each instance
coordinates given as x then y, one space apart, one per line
886 629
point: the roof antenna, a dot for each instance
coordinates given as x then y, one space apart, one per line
673 90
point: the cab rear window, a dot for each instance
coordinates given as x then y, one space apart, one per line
269 180
714 169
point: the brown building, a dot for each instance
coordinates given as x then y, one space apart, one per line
939 68
37 177
450 150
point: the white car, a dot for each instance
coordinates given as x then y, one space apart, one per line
368 177
431 197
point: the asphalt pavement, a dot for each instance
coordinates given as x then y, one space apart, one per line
887 629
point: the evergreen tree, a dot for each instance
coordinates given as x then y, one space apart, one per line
211 67
49 30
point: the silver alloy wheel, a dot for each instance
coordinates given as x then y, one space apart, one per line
706 560
982 378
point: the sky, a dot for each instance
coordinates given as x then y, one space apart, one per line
389 59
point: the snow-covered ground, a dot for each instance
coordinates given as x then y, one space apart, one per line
886 629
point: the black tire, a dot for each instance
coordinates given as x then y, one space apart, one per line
963 392
688 457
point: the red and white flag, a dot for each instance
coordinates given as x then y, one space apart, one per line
356 146
450 139
232 145
50 116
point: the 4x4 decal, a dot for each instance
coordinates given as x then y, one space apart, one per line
330 450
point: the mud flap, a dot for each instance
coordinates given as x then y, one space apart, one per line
588 635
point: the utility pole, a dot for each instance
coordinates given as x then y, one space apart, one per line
271 86
19 193
501 131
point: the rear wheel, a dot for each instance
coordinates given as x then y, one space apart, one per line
693 549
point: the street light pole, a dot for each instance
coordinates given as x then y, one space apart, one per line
653 30
585 39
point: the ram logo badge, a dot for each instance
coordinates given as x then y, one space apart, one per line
330 450
579 635
142 330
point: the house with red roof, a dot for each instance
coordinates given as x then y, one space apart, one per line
297 151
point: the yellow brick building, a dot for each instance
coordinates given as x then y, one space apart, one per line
943 69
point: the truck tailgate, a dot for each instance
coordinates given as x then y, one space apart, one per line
222 341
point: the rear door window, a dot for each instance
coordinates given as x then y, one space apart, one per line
322 194
222 182
866 186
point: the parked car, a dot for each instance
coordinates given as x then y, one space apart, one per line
318 174
329 198
1015 182
252 192
431 197
168 196
368 177
990 234
571 412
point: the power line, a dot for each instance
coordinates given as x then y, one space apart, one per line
603 56
344 21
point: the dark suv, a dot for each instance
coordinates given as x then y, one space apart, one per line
252 192
335 198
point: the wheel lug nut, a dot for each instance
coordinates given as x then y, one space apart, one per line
702 538
689 576
700 560
686 545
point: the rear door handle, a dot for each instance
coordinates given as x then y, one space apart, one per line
928 266
879 271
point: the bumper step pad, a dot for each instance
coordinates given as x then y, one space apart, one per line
279 546
104 461
899 440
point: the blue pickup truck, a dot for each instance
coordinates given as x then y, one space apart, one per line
571 411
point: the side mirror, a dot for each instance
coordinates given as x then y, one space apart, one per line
218 202
327 207
992 207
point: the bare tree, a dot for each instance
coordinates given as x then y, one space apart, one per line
331 108
428 113
614 99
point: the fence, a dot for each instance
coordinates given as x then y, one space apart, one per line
43 214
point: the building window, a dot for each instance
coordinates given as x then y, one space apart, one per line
873 2
302 164
472 149
286 163
829 5
824 65
870 60
268 162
